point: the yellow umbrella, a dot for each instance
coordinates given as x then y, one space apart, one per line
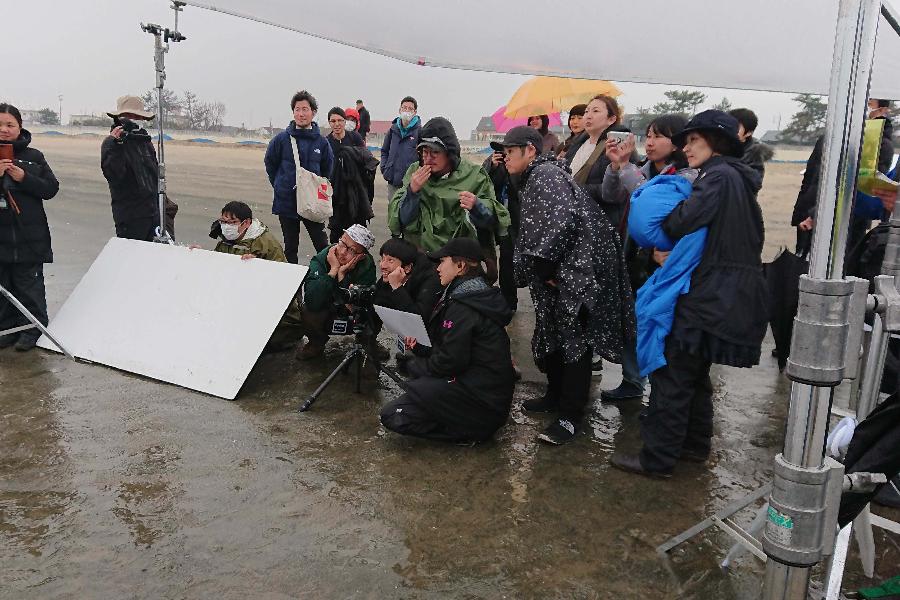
545 95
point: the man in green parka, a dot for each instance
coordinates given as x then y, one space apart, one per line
335 268
248 238
444 197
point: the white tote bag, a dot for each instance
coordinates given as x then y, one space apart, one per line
313 192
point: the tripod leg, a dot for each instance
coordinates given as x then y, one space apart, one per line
359 367
15 302
353 354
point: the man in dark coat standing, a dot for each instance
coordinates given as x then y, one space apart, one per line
315 155
756 154
129 163
569 256
365 120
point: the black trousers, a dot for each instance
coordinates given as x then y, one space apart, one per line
507 277
437 409
290 229
138 229
569 384
680 416
25 281
409 415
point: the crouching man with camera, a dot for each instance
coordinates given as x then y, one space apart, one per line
129 163
461 388
331 272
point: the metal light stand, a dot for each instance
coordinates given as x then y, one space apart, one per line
886 320
162 37
801 519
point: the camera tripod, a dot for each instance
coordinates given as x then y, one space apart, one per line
359 355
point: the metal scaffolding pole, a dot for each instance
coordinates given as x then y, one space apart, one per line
792 544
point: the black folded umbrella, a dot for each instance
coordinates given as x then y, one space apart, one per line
783 278
875 448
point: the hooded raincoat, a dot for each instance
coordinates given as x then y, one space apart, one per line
591 305
439 216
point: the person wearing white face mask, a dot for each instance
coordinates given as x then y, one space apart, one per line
239 233
399 148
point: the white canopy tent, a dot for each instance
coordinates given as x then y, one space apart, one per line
770 45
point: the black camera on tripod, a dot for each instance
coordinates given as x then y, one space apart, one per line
359 318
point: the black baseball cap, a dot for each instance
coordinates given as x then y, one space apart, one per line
713 120
464 247
520 136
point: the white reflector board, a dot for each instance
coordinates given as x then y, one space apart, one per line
195 318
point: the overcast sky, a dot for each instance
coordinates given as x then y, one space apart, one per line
92 51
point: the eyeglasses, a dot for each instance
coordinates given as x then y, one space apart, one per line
348 248
426 151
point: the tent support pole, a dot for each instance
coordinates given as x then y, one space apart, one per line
788 570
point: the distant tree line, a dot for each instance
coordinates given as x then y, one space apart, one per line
48 116
187 110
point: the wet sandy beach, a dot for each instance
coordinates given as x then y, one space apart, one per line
117 486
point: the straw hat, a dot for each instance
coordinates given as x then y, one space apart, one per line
131 105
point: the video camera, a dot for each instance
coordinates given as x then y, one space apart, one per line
130 129
359 319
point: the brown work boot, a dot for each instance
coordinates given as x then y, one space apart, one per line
309 351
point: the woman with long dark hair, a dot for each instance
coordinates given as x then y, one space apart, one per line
542 124
622 178
586 157
25 182
576 126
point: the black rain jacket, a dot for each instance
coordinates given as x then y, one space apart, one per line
728 297
470 349
418 295
25 234
132 171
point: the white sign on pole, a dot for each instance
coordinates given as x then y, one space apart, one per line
195 318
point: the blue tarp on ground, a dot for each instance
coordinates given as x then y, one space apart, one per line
166 137
51 132
250 143
203 141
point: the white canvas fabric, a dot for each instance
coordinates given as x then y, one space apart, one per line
774 45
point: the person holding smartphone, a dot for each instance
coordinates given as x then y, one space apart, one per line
621 180
26 181
586 157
